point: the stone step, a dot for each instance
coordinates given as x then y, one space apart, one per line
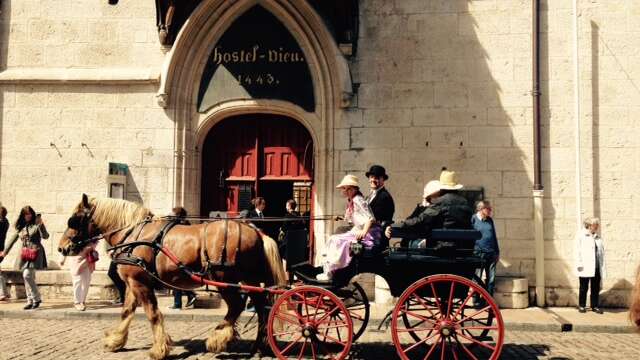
512 300
505 284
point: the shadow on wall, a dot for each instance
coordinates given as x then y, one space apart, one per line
453 89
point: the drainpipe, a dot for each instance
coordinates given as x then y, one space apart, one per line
538 192
576 106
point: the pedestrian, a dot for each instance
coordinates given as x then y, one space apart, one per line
180 215
590 263
290 223
486 248
337 252
30 229
4 226
117 282
81 266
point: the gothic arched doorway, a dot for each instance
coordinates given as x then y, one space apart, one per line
257 155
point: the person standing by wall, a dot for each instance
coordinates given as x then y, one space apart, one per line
590 264
486 247
81 266
4 226
31 231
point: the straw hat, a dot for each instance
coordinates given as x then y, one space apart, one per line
448 180
431 188
348 180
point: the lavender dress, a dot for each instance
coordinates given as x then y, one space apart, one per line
336 254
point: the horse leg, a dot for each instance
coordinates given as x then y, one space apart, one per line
161 340
116 338
260 301
225 332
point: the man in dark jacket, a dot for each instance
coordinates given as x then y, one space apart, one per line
379 200
446 209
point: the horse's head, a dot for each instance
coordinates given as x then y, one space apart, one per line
80 229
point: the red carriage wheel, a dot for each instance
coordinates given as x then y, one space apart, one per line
310 322
436 318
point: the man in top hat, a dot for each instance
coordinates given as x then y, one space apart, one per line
444 208
379 199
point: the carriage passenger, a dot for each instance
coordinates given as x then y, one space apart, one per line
448 210
365 230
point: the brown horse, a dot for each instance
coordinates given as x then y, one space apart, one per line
253 260
634 308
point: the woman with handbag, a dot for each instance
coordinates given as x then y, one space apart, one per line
81 267
30 230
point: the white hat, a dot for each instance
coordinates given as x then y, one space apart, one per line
448 181
431 188
348 180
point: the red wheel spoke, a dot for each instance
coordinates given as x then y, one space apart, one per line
485 345
464 303
284 318
421 342
466 350
356 316
435 296
433 347
313 349
286 333
304 344
337 326
443 348
418 316
335 340
424 304
328 314
474 314
414 329
291 345
453 285
453 350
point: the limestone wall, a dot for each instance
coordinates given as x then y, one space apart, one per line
441 83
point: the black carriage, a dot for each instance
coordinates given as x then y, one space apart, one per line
442 310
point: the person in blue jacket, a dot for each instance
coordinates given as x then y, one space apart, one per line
487 246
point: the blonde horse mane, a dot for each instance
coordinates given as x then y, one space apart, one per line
110 214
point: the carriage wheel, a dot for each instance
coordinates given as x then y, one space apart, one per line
435 318
356 301
310 322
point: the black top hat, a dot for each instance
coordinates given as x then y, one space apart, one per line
377 171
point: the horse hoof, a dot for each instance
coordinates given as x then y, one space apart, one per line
159 352
113 342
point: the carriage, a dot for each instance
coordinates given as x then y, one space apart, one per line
443 310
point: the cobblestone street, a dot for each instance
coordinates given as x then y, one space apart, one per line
81 339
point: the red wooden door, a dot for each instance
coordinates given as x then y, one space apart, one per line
243 152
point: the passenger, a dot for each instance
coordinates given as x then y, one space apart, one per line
365 230
429 194
449 210
380 199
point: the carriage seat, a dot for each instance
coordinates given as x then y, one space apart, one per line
458 238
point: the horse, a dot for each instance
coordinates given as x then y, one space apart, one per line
254 260
634 308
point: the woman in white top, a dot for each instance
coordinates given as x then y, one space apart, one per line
365 229
590 263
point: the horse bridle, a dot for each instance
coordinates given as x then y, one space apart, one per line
83 229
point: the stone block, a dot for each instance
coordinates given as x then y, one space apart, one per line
451 95
415 137
449 136
430 116
519 229
387 118
490 136
507 159
516 184
350 118
372 138
511 285
512 300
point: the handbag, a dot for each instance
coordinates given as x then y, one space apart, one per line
93 257
29 252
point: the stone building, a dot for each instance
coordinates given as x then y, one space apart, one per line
251 97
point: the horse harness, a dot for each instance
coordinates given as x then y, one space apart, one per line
123 252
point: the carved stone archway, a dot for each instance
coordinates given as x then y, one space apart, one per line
181 79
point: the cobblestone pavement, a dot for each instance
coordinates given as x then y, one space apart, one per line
81 339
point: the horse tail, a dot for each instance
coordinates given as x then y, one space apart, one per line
634 309
274 262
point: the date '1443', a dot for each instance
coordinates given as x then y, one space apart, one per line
258 79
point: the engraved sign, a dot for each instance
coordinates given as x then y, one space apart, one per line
256 58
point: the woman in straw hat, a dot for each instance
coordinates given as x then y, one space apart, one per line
337 250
